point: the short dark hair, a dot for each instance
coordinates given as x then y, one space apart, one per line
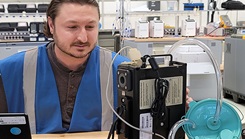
53 9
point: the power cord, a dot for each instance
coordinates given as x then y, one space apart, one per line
158 107
243 133
114 125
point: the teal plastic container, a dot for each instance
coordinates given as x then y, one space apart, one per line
228 126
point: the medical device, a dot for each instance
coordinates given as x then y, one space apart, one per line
141 29
151 97
188 27
156 28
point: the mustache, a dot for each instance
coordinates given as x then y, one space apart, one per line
81 43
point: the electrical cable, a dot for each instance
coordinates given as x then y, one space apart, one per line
107 98
112 130
158 107
243 133
212 31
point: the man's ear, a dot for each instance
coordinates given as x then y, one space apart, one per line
51 25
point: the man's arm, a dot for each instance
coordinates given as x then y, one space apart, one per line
3 102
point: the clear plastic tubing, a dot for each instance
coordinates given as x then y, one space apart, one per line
177 125
216 68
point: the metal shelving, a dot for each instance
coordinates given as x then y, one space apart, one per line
22 15
24 1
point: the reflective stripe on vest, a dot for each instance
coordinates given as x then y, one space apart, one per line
107 114
29 82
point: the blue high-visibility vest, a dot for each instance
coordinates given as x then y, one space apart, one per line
30 88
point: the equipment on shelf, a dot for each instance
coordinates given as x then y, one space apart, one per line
169 31
156 28
233 5
21 31
141 29
149 18
222 28
31 8
42 8
193 6
19 8
13 30
240 23
24 8
188 27
225 21
36 32
154 5
22 26
2 9
240 28
211 30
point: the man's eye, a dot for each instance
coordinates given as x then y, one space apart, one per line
72 27
89 26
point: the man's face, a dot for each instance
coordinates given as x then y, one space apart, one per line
75 29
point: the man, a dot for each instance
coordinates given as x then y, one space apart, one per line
61 85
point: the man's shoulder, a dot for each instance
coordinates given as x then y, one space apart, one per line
13 58
12 63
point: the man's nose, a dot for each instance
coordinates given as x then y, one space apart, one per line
82 36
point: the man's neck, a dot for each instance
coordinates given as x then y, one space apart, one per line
70 62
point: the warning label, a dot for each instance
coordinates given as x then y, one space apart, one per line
147 92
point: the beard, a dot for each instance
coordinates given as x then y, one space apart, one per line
82 55
65 49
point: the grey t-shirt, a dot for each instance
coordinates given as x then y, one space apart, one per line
67 84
